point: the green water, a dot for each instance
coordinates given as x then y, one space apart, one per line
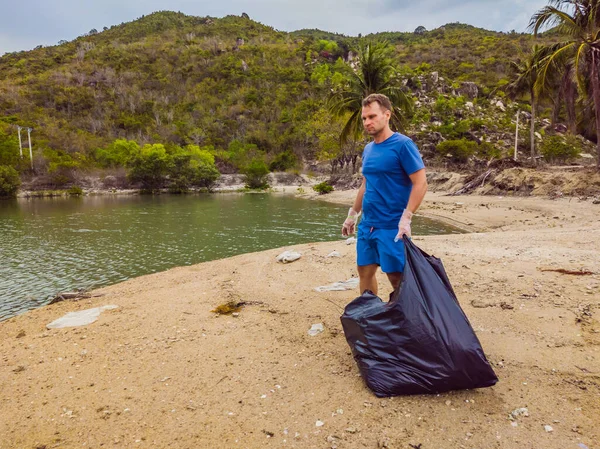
54 245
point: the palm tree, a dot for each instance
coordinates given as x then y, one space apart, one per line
578 21
526 76
375 74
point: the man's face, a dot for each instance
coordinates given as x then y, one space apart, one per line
375 119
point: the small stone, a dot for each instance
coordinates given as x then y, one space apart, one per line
448 402
319 423
350 429
548 428
519 412
235 314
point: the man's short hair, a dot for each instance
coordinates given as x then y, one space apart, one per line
381 99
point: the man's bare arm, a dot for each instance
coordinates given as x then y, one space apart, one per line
419 188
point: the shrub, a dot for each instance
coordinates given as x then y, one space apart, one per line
459 150
149 166
9 181
204 175
117 153
559 149
488 151
75 191
323 188
180 173
185 171
255 174
283 161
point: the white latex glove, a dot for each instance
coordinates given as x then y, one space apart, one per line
404 225
349 225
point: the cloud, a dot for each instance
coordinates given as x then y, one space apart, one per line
48 21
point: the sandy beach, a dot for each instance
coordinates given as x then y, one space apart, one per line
163 371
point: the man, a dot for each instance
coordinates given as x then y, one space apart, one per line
392 189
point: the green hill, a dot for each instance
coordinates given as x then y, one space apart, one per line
176 80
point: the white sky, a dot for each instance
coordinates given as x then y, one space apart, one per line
24 25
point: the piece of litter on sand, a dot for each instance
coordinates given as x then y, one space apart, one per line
316 329
334 254
80 318
288 256
350 284
350 241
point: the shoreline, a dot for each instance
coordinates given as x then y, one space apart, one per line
162 370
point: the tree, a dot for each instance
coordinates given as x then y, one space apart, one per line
526 76
149 166
9 181
420 30
578 22
375 74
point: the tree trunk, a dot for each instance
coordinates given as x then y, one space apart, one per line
556 107
596 95
570 94
532 131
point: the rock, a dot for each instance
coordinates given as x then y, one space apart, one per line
538 135
350 429
110 181
435 77
469 90
334 254
316 329
288 256
319 423
350 284
519 412
560 128
501 106
350 241
469 105
548 428
482 304
80 318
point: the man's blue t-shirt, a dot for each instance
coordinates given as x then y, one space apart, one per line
386 168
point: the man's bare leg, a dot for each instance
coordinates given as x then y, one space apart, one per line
395 279
368 281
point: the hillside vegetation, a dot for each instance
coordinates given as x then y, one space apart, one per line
189 97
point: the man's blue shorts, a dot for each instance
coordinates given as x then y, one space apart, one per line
377 246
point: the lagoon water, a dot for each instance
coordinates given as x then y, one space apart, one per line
54 245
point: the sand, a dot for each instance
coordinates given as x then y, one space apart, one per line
163 371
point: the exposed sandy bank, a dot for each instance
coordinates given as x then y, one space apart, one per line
163 371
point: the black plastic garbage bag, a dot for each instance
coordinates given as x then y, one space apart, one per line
419 342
